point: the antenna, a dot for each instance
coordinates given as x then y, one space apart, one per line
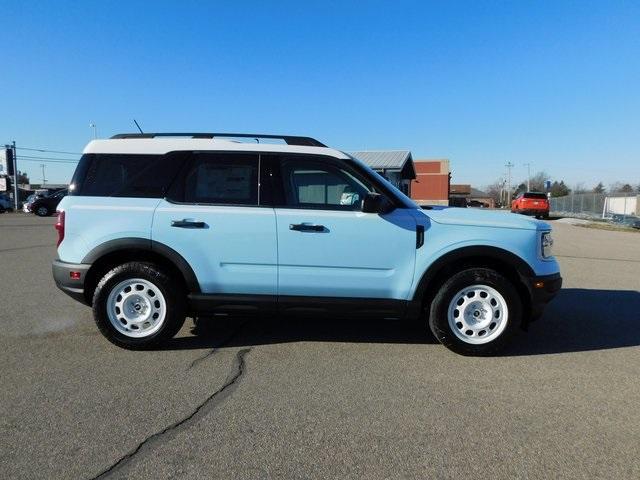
134 121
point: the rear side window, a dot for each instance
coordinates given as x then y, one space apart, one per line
222 178
537 196
125 175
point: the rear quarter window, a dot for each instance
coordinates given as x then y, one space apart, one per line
125 175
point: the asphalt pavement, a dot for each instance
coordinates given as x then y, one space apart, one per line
273 398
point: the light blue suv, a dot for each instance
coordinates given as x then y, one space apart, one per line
157 227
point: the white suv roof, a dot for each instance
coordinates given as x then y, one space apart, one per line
160 143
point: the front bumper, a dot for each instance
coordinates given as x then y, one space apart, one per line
543 289
74 287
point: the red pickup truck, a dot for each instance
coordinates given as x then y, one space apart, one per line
531 203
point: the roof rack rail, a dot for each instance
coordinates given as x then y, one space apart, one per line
288 139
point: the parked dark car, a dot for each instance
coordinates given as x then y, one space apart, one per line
45 206
477 204
6 205
458 202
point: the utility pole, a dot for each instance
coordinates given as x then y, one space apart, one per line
528 165
509 166
15 177
95 130
44 178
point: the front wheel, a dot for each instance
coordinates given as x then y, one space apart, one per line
137 306
475 312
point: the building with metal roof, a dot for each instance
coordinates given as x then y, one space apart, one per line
395 165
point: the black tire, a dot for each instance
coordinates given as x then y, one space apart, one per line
2 209
173 294
438 316
42 211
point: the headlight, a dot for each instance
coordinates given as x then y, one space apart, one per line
546 245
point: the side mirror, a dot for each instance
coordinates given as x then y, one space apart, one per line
376 203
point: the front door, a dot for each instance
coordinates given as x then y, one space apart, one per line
327 246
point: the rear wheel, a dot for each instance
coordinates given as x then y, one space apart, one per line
475 312
137 306
42 211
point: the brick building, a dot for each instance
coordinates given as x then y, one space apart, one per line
431 186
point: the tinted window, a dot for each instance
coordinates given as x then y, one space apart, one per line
539 196
316 184
124 175
230 179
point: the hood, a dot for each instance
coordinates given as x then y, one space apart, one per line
484 218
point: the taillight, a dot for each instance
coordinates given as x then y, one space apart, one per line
60 227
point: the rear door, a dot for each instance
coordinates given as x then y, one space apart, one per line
327 246
213 218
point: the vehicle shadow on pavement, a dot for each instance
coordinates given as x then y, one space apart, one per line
580 319
577 320
236 332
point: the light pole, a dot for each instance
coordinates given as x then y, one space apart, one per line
528 165
509 166
15 176
95 129
44 178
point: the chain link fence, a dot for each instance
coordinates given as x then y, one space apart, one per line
596 205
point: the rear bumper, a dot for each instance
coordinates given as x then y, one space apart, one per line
543 289
533 211
71 286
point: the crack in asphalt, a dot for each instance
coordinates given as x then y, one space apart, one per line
625 260
229 337
200 411
4 250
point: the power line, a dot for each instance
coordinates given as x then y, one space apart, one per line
44 150
26 158
49 158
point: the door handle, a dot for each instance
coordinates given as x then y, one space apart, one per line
185 223
306 227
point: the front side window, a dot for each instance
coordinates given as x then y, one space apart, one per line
316 184
230 179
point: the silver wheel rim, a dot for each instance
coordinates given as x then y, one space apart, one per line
136 308
42 211
478 314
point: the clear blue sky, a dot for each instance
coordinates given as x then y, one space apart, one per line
553 83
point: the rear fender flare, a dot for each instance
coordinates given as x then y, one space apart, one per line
145 244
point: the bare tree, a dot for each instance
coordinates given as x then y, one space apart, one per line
580 188
494 190
615 187
536 183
